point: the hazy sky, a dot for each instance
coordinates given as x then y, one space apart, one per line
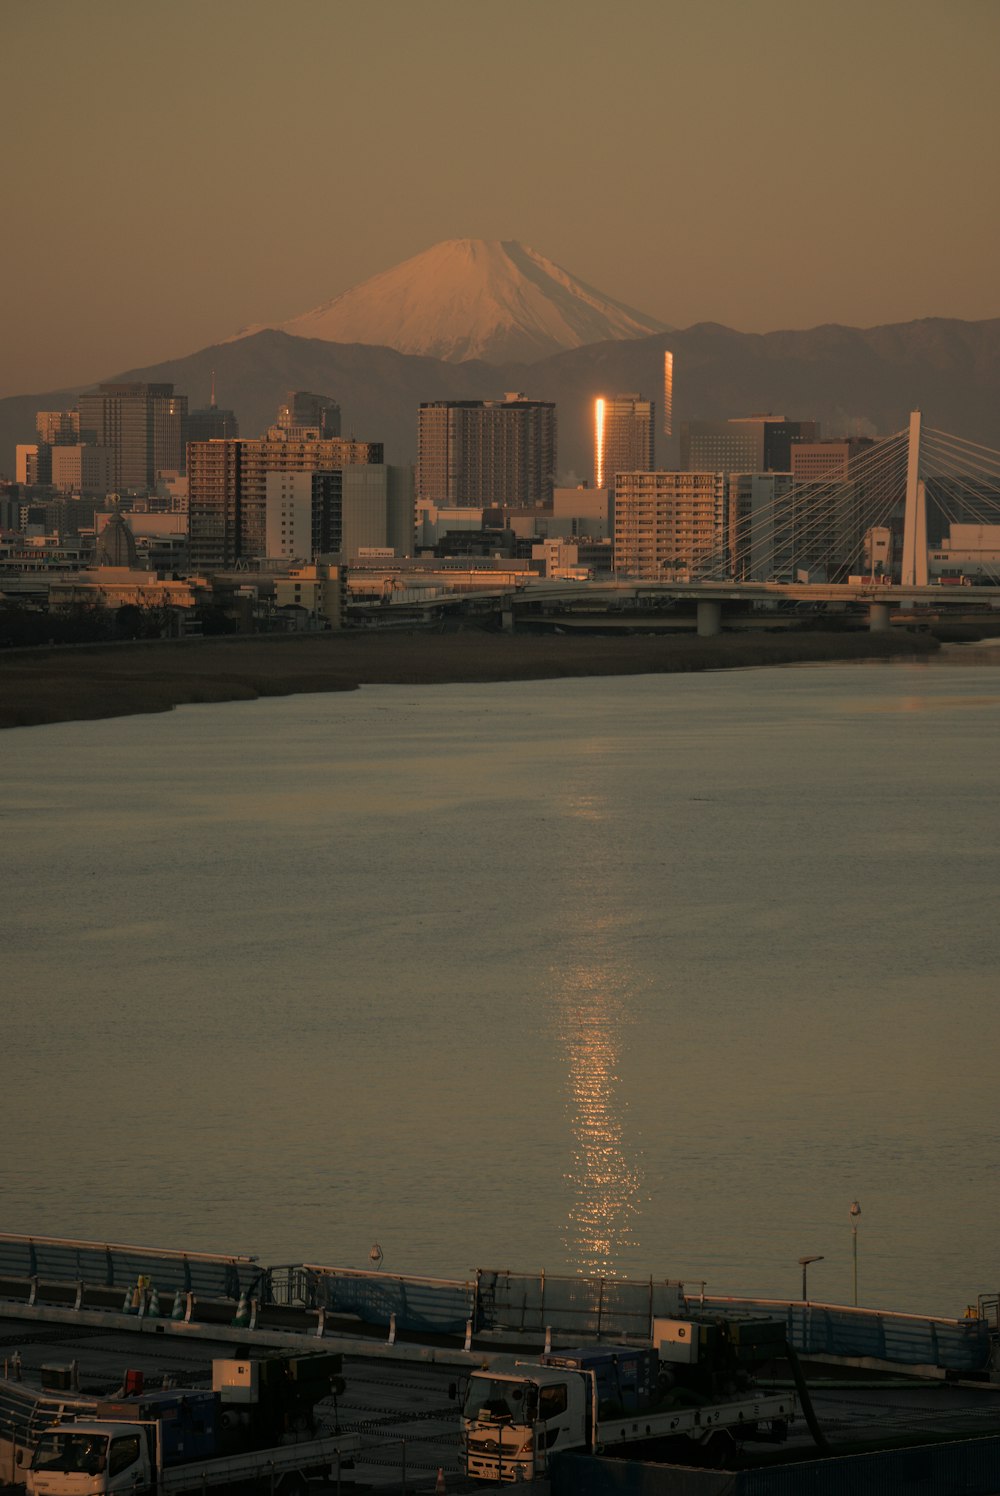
173 172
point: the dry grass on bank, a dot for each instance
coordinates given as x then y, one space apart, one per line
61 685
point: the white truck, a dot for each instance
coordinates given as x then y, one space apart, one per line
514 1421
92 1458
254 1430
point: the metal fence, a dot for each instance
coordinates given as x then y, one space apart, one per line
590 1307
112 1265
587 1308
441 1306
838 1330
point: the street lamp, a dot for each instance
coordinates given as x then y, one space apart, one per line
855 1214
804 1265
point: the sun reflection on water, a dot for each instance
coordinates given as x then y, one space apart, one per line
592 995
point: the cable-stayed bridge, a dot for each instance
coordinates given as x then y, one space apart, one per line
828 529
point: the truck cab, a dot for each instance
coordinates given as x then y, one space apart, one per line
513 1420
85 1459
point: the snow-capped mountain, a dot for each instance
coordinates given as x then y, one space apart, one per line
488 299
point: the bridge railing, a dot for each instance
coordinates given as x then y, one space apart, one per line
881 1335
441 1306
114 1265
588 1306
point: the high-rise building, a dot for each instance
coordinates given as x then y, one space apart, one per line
215 531
623 437
341 513
814 460
82 469
227 489
669 526
142 424
26 464
482 454
784 528
212 422
746 444
58 428
760 542
668 394
303 411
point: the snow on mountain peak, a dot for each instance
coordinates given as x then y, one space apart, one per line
491 299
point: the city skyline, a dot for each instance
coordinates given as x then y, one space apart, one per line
820 135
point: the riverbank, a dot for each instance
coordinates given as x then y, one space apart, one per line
41 686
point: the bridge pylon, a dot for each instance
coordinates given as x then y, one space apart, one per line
914 569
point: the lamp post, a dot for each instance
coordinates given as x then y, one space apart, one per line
804 1265
855 1213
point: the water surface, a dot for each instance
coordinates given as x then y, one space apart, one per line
651 975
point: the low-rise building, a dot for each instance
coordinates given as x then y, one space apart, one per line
320 589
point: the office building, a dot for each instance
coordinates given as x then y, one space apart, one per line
669 526
483 454
58 428
143 427
812 461
215 516
26 464
787 530
344 512
668 394
582 511
212 422
227 490
760 544
746 444
82 469
55 428
623 437
303 411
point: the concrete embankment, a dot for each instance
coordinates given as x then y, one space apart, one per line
40 686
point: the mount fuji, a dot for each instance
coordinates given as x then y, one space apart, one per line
489 299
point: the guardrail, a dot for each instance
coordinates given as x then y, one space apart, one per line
114 1265
493 1300
881 1335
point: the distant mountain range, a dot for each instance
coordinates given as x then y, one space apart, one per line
472 318
850 379
489 299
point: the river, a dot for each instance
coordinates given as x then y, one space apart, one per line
645 975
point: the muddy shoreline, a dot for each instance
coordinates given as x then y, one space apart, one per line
39 686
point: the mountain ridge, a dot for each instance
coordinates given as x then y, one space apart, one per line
851 379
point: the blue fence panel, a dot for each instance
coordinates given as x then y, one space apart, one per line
440 1307
588 1307
834 1330
113 1266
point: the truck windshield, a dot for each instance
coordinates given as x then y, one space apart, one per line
86 1453
497 1401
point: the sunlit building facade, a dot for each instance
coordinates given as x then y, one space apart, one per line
668 394
624 438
